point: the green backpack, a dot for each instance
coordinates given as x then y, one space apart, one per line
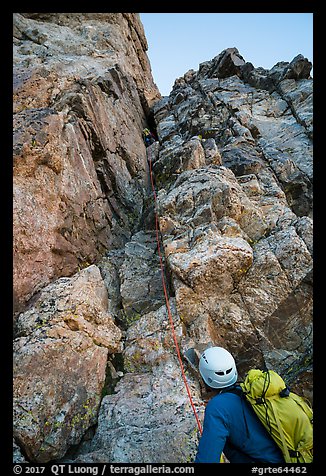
286 416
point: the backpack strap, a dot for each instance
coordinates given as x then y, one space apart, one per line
286 453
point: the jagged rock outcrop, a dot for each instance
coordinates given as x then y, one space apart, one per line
82 91
96 373
235 209
148 417
60 357
237 223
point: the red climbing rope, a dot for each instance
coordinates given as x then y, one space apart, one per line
166 294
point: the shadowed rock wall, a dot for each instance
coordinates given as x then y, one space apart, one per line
82 90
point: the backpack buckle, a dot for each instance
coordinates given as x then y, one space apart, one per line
285 392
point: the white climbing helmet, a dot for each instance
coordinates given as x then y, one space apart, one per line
217 367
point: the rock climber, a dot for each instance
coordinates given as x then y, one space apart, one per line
148 137
230 424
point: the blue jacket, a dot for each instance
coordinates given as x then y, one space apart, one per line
230 419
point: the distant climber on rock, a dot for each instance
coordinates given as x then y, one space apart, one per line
230 424
148 137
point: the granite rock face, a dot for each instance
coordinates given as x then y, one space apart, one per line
60 357
147 417
82 91
237 224
97 377
235 214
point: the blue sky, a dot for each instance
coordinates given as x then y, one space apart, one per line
181 41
